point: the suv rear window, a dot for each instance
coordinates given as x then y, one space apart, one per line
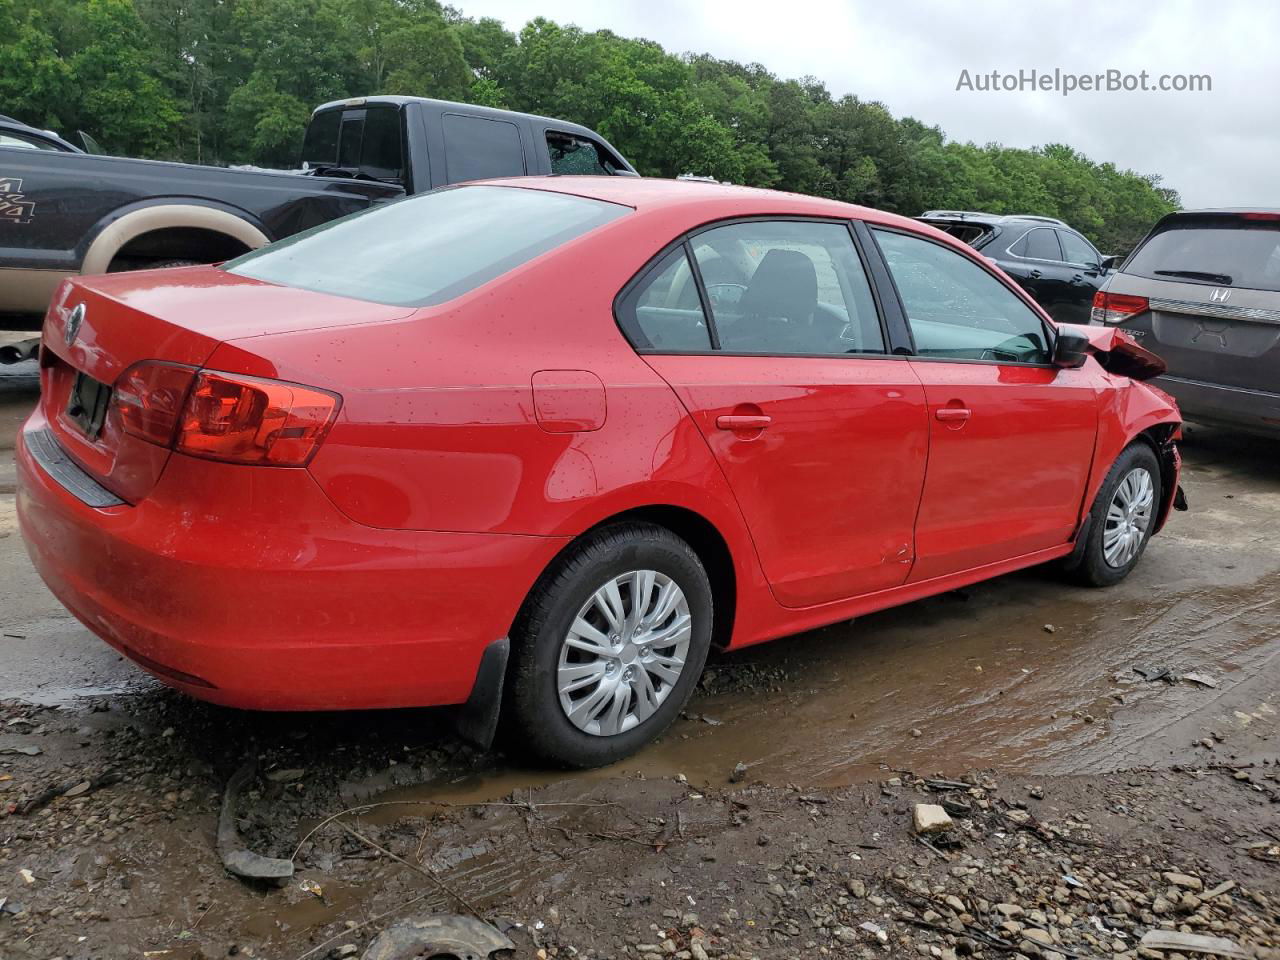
1230 251
430 248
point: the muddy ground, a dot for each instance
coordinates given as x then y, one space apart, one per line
1090 805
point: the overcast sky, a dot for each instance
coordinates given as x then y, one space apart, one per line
1216 148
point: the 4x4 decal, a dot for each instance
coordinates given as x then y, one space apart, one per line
14 209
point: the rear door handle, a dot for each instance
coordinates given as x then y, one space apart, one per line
755 421
1034 274
952 414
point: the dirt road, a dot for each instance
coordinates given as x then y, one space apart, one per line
1024 677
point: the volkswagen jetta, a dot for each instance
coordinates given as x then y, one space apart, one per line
535 446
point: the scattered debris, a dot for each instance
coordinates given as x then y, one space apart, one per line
439 934
286 775
71 788
238 860
1152 674
739 772
930 818
875 930
311 887
1050 628
27 876
1175 940
27 750
1201 679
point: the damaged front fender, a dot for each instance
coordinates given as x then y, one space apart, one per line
1117 351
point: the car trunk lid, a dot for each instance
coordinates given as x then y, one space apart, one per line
99 327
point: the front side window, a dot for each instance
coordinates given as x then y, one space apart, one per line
782 287
1078 250
663 311
320 144
577 155
956 309
428 248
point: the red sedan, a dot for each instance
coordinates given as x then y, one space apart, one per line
541 443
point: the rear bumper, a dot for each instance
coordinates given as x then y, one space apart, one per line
244 586
1256 410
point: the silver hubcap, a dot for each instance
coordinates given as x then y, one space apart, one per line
624 653
1128 517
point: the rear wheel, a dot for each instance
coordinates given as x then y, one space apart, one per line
1123 518
608 648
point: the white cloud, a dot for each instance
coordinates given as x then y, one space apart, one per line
1216 148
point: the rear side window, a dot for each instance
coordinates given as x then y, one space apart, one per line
785 287
429 248
476 148
382 153
1223 251
663 311
956 309
1038 244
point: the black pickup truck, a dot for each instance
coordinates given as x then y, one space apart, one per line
66 212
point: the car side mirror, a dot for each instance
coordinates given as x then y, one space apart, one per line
1070 351
1109 263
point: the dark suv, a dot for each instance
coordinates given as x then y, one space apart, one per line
1055 264
1203 291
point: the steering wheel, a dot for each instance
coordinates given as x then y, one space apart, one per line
725 294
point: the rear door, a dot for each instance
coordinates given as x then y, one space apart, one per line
1084 264
1212 285
1011 436
776 347
1035 261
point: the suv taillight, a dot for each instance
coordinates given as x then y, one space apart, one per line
224 416
1116 307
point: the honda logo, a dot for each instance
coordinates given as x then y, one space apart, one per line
1219 295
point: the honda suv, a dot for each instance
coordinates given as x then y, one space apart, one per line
1052 262
1203 291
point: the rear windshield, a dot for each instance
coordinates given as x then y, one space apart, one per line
430 248
1218 251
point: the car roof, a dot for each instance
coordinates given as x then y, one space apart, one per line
9 123
469 108
977 216
711 200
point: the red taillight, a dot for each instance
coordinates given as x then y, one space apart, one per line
223 416
253 420
149 397
1116 307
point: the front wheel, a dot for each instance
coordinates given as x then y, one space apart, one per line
1123 518
609 646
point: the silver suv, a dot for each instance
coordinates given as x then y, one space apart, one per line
1202 290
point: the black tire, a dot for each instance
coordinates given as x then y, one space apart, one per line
534 720
1093 568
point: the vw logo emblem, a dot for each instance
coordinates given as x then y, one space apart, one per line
1219 295
74 319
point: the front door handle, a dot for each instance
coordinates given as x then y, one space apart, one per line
953 414
1034 274
740 421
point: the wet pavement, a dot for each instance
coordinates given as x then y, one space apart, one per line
1024 674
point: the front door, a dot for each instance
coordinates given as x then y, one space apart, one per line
1011 436
821 434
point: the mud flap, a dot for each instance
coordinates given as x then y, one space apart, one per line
1180 499
476 721
1076 556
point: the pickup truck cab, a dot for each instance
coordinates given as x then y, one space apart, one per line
65 213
